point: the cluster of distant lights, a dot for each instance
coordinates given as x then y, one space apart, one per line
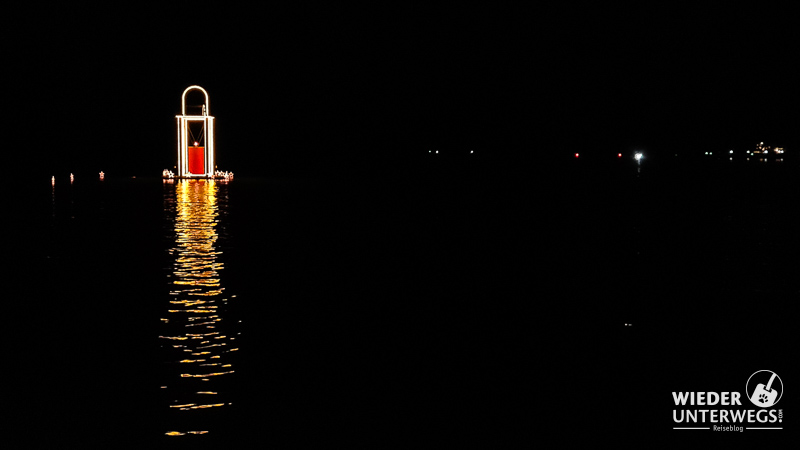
761 150
437 151
637 156
226 175
166 174
72 178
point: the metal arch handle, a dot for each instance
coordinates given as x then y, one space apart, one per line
183 99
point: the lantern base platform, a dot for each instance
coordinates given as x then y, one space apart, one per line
218 175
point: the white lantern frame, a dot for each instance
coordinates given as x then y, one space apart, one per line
183 121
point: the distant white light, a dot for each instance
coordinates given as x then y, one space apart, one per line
731 152
638 156
437 151
472 151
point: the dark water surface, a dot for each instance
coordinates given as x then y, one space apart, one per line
445 304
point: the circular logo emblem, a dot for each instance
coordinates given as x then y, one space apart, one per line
764 388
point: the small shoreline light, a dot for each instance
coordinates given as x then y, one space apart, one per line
638 156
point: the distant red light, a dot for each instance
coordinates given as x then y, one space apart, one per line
619 155
576 155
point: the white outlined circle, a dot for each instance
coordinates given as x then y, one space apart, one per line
775 386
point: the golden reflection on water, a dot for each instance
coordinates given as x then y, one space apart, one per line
198 336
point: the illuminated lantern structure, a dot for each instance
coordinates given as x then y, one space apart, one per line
195 140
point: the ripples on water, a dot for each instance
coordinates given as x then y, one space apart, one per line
198 337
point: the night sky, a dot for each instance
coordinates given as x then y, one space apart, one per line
350 87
